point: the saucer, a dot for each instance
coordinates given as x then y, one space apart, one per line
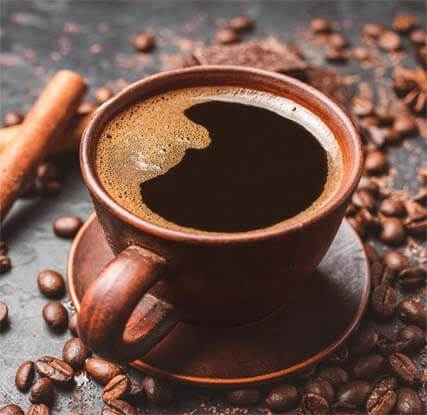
315 322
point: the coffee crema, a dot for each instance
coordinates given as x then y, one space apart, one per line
218 159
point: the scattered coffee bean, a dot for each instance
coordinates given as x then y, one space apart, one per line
118 407
116 388
55 369
363 342
372 30
315 405
405 125
390 207
384 299
241 24
75 352
12 118
417 229
226 37
38 409
41 391
411 311
86 107
418 37
355 393
375 163
358 225
306 374
367 367
48 188
243 397
24 376
320 25
340 355
389 41
363 199
11 409
157 391
338 41
404 368
381 274
51 283
67 226
396 261
282 397
386 346
408 402
143 42
103 94
320 387
72 324
47 171
4 315
404 23
100 370
335 375
412 336
383 397
412 277
362 106
384 115
344 408
335 55
393 231
368 184
372 254
360 53
136 390
5 264
55 315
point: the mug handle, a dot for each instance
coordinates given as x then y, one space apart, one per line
111 299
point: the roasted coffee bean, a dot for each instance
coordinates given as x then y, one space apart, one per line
355 393
24 376
416 212
362 106
396 261
340 355
67 226
418 37
412 336
11 409
143 42
344 408
405 125
335 375
4 313
335 55
382 398
411 311
315 405
72 324
118 407
404 23
404 368
389 41
385 115
100 370
367 367
116 388
55 369
51 283
369 185
408 402
12 118
136 390
38 409
385 346
390 207
372 30
375 136
387 276
412 277
393 231
41 391
338 41
306 373
321 387
372 254
48 188
384 299
360 53
320 25
86 107
375 163
226 37
243 397
47 171
103 94
363 342
5 264
55 315
282 397
391 136
369 221
75 352
417 229
377 273
363 199
241 24
358 225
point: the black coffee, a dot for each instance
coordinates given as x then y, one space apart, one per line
218 160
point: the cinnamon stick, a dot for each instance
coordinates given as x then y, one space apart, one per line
43 126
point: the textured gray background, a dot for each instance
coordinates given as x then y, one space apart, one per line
37 25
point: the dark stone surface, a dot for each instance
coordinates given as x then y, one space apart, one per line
33 29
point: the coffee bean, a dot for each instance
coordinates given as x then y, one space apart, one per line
48 188
241 24
389 41
282 397
315 405
360 53
408 402
55 315
367 367
306 374
226 37
38 409
411 311
75 352
386 346
4 313
404 23
372 30
11 409
243 397
101 370
143 42
335 55
393 231
383 397
375 163
384 299
47 171
118 407
379 273
72 324
418 37
355 393
363 342
103 94
51 283
136 390
375 136
395 260
417 229
12 118
405 125
372 254
335 375
344 408
362 106
5 264
412 277
116 388
320 25
363 199
340 355
67 226
412 337
369 185
321 387
385 115
404 368
390 207
86 107
24 376
338 41
42 391
358 225
55 369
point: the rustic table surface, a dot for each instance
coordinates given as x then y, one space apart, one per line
92 38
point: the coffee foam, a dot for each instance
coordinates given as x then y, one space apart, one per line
152 136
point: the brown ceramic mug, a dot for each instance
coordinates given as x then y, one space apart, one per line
210 279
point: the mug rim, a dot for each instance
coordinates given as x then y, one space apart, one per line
131 93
